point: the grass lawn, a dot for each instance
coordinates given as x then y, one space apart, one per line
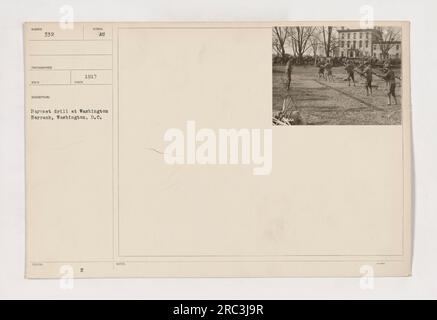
335 103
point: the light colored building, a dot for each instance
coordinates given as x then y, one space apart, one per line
383 50
357 43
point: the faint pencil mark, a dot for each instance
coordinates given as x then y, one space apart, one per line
155 150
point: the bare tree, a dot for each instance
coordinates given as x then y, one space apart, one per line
315 43
300 40
281 36
330 42
389 37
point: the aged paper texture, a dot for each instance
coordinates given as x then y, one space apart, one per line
217 149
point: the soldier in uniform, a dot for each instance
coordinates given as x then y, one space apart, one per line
390 80
350 72
288 70
368 74
321 66
328 70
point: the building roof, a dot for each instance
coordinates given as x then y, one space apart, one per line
356 30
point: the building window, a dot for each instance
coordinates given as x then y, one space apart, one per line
367 35
367 44
361 44
361 35
355 35
342 44
397 47
342 35
348 35
348 44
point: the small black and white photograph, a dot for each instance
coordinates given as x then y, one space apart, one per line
335 75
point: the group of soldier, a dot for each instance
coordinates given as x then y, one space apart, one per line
364 69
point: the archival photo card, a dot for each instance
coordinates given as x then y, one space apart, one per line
152 150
